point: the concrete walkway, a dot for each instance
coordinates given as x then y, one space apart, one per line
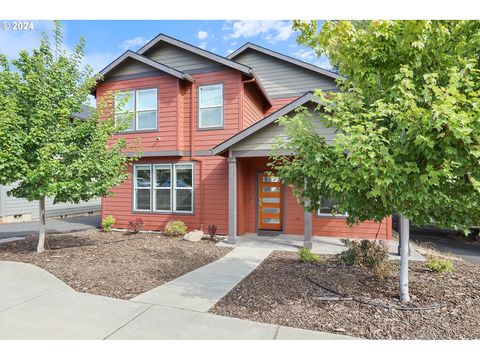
200 289
36 305
321 244
19 230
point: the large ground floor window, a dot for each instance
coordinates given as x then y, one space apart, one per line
163 188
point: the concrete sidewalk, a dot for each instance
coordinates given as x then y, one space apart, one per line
19 230
321 244
36 305
200 289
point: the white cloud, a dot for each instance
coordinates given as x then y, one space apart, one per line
202 35
234 43
271 30
229 51
131 43
305 54
203 45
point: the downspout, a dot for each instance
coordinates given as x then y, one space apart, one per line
192 124
192 151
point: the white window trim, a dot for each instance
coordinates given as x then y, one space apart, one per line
134 95
155 187
135 187
338 215
175 188
200 107
151 109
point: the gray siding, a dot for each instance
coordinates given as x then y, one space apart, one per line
179 59
131 67
265 138
16 206
281 78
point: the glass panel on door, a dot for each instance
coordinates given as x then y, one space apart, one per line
269 203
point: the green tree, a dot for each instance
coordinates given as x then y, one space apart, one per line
408 120
42 148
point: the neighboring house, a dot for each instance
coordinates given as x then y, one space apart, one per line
205 125
17 209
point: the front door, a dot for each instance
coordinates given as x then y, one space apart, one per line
270 203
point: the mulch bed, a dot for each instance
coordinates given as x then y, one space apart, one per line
278 292
114 264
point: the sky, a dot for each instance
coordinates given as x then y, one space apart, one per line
108 39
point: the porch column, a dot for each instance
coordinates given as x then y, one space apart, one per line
307 225
232 200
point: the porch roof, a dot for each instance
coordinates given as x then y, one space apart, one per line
235 139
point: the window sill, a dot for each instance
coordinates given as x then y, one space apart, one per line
135 131
330 216
150 212
211 128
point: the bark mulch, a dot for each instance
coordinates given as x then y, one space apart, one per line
114 264
278 292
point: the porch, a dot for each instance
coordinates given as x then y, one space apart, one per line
260 203
320 244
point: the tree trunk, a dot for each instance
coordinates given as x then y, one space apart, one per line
41 227
404 247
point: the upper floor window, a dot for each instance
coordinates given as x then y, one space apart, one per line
210 106
139 111
329 207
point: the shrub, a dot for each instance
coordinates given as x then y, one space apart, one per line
383 270
212 231
439 265
107 223
175 228
134 226
367 253
307 256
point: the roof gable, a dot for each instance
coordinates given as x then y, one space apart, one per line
164 39
130 62
286 58
263 123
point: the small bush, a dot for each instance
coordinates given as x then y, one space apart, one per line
175 228
383 270
108 222
135 226
439 265
307 256
212 232
367 253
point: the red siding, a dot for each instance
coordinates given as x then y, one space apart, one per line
279 103
231 80
294 214
211 185
252 106
242 108
167 86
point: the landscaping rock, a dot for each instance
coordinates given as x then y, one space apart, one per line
195 235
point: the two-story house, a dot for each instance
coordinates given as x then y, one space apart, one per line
205 125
